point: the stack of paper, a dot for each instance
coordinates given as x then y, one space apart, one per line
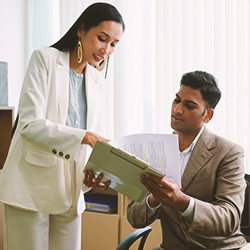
131 156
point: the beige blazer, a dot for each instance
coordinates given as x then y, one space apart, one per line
35 175
214 176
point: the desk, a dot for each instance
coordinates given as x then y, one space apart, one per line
106 231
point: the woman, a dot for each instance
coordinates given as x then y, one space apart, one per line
41 182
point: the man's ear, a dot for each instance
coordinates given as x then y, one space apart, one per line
80 30
208 115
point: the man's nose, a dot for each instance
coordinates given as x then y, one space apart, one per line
178 108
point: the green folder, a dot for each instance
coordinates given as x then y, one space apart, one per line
122 168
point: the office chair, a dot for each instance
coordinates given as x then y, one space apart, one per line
245 227
131 238
245 230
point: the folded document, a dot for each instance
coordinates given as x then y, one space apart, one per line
122 168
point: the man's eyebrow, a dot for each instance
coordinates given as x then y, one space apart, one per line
188 101
107 35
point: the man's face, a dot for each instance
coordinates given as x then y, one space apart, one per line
187 114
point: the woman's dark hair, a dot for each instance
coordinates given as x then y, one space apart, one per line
92 16
206 84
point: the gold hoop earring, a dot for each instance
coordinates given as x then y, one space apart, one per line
103 64
79 51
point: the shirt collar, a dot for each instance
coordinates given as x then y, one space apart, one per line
190 148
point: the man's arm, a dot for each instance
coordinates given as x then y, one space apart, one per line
222 216
219 217
140 215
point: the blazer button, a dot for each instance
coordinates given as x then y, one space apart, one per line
54 151
67 157
61 153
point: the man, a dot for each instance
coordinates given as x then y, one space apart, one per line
206 212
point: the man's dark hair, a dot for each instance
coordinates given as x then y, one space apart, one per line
206 84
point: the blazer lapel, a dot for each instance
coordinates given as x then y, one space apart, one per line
199 157
93 97
63 85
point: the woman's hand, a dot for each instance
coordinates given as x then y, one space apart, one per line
91 138
90 180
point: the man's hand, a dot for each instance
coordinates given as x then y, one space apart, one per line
164 191
91 138
90 180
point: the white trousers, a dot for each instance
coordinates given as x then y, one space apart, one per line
29 230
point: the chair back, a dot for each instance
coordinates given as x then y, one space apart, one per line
132 237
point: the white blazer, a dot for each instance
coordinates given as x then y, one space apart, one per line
35 175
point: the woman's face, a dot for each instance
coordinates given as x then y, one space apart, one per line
100 42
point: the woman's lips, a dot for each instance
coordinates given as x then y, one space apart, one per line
98 58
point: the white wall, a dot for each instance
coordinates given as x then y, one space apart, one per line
13 44
21 32
43 24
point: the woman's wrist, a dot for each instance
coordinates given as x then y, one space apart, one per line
91 138
88 139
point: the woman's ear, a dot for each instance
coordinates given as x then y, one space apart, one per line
80 30
208 115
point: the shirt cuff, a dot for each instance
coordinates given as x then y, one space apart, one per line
153 209
78 153
79 150
189 212
85 188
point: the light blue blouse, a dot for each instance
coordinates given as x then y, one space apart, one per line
77 111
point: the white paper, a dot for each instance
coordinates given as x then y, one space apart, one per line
161 151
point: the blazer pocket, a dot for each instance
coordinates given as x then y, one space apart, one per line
40 159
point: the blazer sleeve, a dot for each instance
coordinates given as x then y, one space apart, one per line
222 216
139 214
39 90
